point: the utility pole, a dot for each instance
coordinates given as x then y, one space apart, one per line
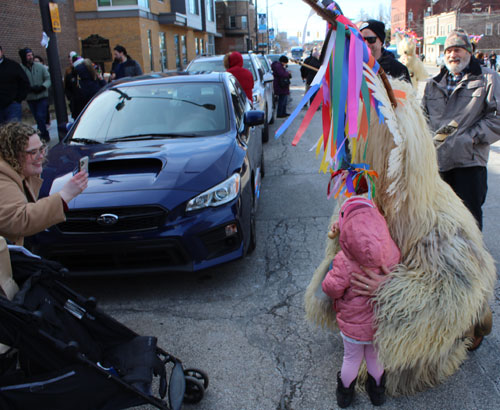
267 25
256 27
55 69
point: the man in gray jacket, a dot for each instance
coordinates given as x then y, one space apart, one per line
38 101
462 104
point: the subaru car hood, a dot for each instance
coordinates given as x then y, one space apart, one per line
183 164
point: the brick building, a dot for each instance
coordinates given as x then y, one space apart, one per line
408 14
438 26
22 27
236 21
159 34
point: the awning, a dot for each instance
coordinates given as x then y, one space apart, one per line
439 40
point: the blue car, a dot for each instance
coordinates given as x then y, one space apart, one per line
175 168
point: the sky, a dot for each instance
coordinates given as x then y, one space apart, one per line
291 15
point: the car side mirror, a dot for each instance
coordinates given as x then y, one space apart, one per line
253 118
268 77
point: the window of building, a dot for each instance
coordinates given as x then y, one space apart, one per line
194 7
449 29
120 3
244 22
209 6
232 21
150 50
210 45
177 51
489 29
163 52
202 46
410 15
197 45
184 51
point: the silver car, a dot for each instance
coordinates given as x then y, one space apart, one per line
262 93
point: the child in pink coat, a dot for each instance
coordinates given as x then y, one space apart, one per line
364 241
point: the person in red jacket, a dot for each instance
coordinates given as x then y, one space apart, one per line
233 62
364 241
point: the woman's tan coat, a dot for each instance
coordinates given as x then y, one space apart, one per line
21 214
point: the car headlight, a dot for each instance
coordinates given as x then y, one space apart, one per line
218 195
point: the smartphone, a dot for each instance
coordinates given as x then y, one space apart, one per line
83 164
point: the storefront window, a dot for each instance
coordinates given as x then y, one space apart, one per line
117 3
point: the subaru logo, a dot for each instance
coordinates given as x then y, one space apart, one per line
107 219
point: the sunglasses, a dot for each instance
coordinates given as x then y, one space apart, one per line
371 40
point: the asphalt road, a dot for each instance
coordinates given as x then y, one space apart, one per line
243 322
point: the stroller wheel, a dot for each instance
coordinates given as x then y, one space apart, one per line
199 375
194 390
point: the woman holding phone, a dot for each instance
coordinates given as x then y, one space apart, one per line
22 155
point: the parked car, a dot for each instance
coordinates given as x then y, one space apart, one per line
440 60
394 50
262 89
266 65
175 168
274 57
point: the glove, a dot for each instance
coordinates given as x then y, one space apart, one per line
37 89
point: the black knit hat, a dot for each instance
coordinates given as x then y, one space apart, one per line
377 27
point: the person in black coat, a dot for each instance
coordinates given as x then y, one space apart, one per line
14 87
81 83
373 31
308 74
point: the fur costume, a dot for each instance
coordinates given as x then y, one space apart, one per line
446 276
406 49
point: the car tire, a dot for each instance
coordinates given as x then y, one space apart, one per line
272 115
265 130
262 169
253 228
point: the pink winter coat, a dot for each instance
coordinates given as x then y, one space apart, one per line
364 240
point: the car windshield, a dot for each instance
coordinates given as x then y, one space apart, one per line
171 110
264 63
218 66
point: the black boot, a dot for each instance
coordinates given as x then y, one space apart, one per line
376 393
344 394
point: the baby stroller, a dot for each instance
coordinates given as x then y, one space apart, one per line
65 353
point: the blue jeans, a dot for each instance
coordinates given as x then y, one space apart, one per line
12 112
282 99
39 110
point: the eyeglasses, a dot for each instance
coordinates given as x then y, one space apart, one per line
37 152
371 40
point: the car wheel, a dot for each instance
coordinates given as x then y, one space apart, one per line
272 115
253 228
262 169
265 130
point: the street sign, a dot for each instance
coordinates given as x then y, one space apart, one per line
54 16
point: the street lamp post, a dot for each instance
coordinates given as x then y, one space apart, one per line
267 20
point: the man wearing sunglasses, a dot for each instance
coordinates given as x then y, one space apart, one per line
373 31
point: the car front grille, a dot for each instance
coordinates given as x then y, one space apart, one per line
135 255
112 220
